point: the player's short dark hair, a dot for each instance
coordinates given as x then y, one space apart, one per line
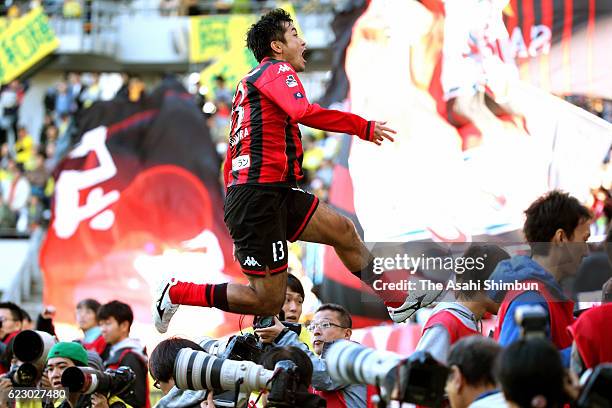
269 28
291 353
16 311
90 304
295 285
554 210
120 311
531 367
490 255
475 356
345 317
161 363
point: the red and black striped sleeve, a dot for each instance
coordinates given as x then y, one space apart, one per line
286 91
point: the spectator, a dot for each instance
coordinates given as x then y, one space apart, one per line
115 320
37 175
93 93
531 374
471 383
63 101
557 228
87 319
162 371
26 322
333 322
222 94
592 333
10 98
450 321
45 320
11 317
24 147
15 192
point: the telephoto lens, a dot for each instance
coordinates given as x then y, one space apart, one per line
198 370
353 363
88 380
25 375
32 346
213 346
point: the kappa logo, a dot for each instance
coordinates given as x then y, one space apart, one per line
250 261
290 81
283 68
298 95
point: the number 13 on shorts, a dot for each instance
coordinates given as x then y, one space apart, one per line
278 251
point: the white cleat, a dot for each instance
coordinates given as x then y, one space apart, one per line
163 308
414 301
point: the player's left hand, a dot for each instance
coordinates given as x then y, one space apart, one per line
382 132
268 334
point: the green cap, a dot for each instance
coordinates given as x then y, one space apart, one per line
71 350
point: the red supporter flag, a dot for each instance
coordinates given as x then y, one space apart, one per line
137 197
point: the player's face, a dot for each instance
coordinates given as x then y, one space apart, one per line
294 48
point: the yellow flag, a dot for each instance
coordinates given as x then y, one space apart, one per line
25 42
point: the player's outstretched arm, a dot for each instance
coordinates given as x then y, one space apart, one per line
285 89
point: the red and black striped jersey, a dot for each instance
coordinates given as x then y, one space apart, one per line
265 144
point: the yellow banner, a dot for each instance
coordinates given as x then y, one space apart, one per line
25 42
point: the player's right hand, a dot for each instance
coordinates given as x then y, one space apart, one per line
382 132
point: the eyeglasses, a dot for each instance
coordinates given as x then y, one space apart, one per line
323 325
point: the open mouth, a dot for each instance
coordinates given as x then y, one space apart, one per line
317 343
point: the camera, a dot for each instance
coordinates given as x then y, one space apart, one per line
245 347
532 320
263 322
198 370
418 379
597 391
87 380
31 348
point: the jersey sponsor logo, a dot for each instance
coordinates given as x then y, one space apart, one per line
283 68
241 162
290 81
298 95
250 261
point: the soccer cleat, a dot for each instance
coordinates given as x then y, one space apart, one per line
414 301
164 309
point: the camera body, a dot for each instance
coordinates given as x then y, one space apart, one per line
284 385
532 319
87 380
245 347
419 379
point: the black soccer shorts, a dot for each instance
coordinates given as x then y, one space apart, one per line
261 219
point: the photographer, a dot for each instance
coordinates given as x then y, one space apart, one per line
292 310
471 383
450 321
161 366
11 317
557 228
532 375
331 322
115 321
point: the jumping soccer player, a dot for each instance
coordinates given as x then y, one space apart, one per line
263 207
